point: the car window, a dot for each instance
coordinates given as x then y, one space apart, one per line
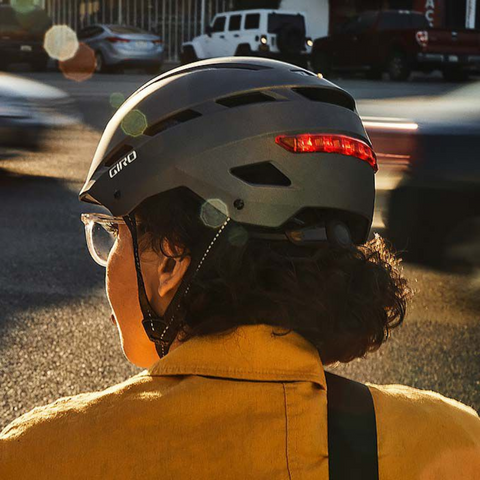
418 20
394 21
252 21
35 21
361 24
219 24
402 21
8 20
85 33
276 21
121 29
235 23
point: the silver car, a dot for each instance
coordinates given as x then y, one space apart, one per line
123 46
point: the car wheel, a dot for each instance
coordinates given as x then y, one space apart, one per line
188 55
398 67
243 51
40 66
153 70
321 64
375 73
455 75
461 248
100 66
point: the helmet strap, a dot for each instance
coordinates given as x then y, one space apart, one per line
162 330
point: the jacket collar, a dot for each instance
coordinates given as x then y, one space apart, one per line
251 352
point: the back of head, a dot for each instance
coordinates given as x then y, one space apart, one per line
273 164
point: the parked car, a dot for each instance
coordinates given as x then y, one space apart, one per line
21 37
118 46
28 109
398 42
433 213
265 33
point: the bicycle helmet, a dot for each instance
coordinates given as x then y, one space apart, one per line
266 139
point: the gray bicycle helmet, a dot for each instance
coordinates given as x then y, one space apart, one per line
267 139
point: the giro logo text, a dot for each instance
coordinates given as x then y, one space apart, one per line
124 162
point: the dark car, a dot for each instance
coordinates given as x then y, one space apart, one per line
22 35
433 213
397 42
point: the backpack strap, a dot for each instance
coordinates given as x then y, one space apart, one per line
352 430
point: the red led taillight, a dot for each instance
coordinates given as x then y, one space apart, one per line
318 143
117 40
422 38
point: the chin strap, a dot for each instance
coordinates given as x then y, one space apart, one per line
162 330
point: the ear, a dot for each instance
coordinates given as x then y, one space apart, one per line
170 272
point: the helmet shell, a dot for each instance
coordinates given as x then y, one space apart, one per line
199 125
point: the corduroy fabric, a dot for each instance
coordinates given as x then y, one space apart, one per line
247 405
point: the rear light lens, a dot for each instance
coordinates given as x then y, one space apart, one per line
158 42
422 38
318 143
117 40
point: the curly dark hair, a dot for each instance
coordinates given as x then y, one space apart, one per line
345 301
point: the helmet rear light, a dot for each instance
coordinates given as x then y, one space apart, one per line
321 143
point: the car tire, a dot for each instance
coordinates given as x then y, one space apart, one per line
40 66
375 73
243 51
100 66
188 55
321 64
398 67
455 75
290 40
461 246
153 70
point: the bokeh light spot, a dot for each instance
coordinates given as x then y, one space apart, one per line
23 6
214 212
238 236
134 123
80 67
116 99
61 42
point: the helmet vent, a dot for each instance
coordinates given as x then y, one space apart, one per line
116 154
326 96
263 173
172 121
245 99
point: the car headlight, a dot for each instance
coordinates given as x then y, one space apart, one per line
309 42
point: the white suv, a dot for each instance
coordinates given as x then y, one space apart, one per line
268 33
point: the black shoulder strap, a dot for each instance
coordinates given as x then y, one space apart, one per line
352 430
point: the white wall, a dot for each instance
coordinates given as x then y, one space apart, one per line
317 12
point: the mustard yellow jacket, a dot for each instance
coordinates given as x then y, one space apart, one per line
244 406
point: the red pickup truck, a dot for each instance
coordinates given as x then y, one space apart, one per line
398 42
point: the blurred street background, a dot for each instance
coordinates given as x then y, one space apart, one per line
56 338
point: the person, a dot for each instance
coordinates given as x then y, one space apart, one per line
240 196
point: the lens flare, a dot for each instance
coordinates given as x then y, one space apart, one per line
238 236
135 123
23 6
214 212
116 99
61 42
80 67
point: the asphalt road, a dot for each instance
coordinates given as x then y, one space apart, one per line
55 335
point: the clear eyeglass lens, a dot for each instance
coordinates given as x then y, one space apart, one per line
101 238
